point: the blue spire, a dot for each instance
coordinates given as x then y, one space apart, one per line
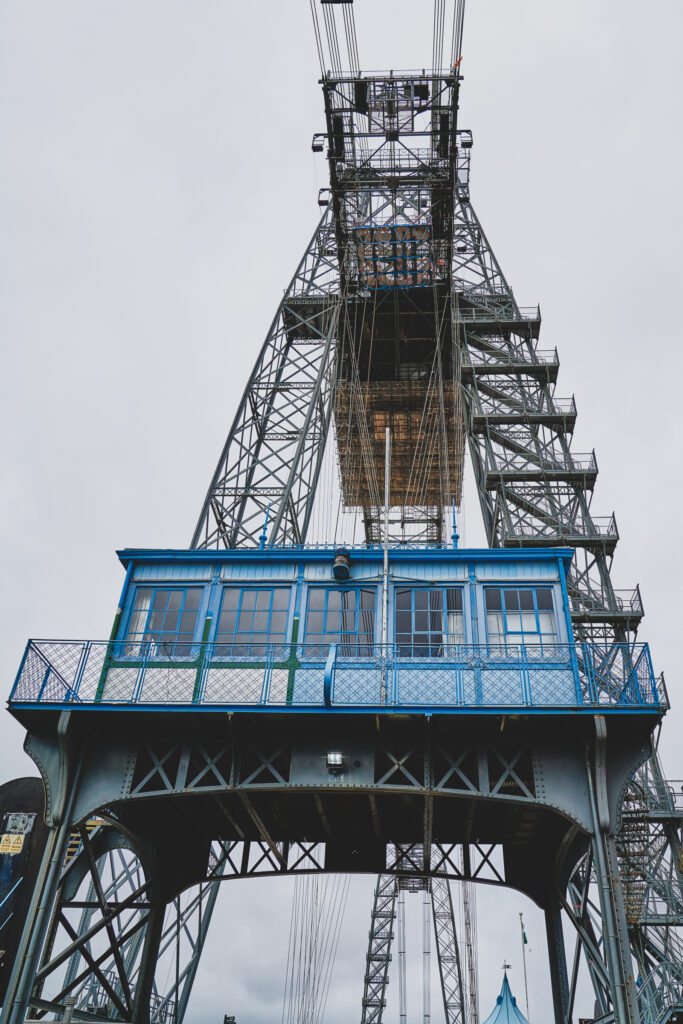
506 1010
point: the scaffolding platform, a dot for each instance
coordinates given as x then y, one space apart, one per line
415 413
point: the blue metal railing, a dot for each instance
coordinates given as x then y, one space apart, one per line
441 676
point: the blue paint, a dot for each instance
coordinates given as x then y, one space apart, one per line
264 535
364 709
460 678
455 536
327 679
124 590
326 555
425 669
562 568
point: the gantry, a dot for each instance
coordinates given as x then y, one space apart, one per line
398 346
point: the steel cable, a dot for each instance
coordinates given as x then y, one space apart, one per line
318 907
318 40
456 43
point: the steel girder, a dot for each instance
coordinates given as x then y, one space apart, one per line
451 781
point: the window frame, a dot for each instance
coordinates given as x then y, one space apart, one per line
522 638
445 646
251 648
144 646
343 638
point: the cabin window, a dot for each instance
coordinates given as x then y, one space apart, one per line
163 621
250 619
341 615
428 621
516 615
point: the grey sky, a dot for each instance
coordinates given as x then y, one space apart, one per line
156 191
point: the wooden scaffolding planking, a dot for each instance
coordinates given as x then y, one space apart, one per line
427 441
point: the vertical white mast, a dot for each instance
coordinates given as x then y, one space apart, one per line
401 956
385 571
526 986
426 955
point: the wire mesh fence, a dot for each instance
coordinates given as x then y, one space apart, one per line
348 675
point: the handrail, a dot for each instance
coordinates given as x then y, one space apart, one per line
472 314
544 407
574 462
595 527
542 357
442 673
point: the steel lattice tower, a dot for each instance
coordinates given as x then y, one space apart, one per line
399 323
493 385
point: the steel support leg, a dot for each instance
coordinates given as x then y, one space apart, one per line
615 934
448 953
614 928
143 990
621 931
37 920
558 963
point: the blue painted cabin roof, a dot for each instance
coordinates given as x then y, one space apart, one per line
363 554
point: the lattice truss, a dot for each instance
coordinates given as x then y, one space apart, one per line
381 935
399 315
366 333
271 458
650 864
112 947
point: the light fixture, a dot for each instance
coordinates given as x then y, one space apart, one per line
341 567
335 762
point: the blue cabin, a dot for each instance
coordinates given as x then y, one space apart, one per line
310 629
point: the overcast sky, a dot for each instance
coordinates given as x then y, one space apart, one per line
157 189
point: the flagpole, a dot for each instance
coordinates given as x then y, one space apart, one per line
526 986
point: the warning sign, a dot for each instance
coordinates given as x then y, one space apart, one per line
10 843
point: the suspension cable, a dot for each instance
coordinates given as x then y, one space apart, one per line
318 906
318 40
